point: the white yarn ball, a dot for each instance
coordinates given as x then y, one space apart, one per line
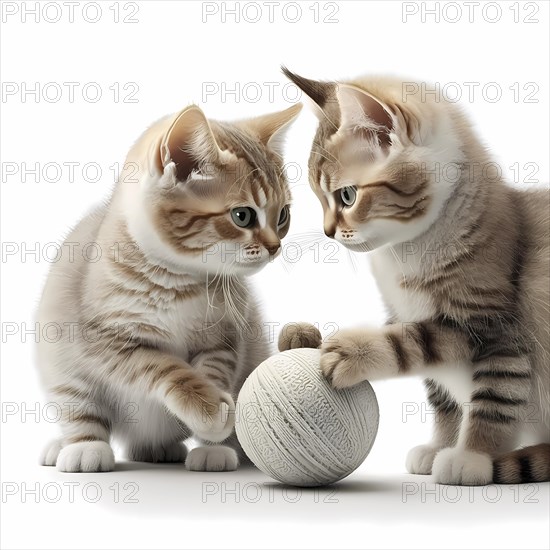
298 429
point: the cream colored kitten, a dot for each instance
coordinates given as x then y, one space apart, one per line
462 261
152 348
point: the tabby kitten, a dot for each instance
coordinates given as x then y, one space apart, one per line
152 301
462 261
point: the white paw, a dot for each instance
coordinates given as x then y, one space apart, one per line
216 458
218 426
49 454
87 456
420 459
454 466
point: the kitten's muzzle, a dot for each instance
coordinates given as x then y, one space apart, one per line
272 248
330 231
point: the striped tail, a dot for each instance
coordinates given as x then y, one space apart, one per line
527 465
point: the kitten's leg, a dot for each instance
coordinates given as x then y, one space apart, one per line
86 431
351 356
501 390
220 367
446 427
196 401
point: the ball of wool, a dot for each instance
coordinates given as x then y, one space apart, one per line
299 430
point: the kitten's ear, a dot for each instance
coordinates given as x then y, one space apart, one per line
271 129
358 109
321 94
189 143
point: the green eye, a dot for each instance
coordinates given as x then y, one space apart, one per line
243 216
348 195
283 217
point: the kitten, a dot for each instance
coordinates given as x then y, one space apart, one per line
153 303
462 262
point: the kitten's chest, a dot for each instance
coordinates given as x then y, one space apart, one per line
409 304
179 324
190 325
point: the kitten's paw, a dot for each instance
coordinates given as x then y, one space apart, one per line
216 458
349 357
49 454
213 419
299 335
453 466
87 456
420 459
171 452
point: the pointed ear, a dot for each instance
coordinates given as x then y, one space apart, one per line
358 109
189 143
320 92
321 96
271 128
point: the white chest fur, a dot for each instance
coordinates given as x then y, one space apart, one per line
408 303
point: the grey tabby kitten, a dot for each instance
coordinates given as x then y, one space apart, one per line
462 261
153 302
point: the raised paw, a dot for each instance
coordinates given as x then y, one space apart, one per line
420 459
349 357
216 458
453 466
49 454
352 356
86 456
207 411
299 335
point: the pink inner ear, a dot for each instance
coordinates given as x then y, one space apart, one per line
182 158
356 104
182 136
376 112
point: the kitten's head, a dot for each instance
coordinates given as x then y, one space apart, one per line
213 196
384 159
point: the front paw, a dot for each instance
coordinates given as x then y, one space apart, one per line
86 456
216 458
453 466
49 454
349 357
299 335
213 417
420 459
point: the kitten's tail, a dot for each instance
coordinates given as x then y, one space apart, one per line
527 465
299 335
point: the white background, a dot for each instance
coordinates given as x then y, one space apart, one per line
174 52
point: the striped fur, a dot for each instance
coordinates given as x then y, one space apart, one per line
528 465
462 261
152 348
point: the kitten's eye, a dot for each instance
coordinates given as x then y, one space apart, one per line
283 217
243 216
348 195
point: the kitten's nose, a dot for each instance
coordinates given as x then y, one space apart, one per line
329 224
272 248
330 231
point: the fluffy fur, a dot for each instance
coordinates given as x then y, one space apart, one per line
462 261
153 303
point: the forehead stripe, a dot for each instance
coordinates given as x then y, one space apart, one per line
263 198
